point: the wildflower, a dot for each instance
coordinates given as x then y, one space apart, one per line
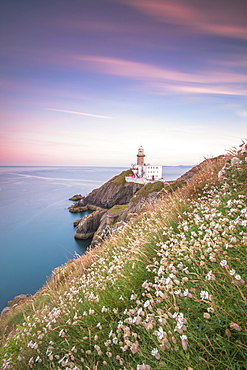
143 367
235 326
204 294
210 309
223 263
61 333
184 342
115 340
146 304
155 353
160 333
232 272
134 347
237 277
99 325
210 276
38 359
185 293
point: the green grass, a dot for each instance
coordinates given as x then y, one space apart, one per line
146 190
120 179
168 291
118 209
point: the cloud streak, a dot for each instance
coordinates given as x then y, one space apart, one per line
79 113
229 22
208 82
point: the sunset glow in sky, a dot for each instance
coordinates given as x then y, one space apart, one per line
86 82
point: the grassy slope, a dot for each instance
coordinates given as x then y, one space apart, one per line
167 292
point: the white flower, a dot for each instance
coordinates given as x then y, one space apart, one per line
223 263
154 352
237 277
183 337
160 333
147 303
204 294
210 276
232 272
185 293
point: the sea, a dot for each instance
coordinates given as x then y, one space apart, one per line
36 228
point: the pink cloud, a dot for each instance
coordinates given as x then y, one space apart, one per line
220 90
146 72
229 21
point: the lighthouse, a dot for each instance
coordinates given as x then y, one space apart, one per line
140 156
143 173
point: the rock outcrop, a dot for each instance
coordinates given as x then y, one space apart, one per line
16 302
117 201
87 226
76 197
115 191
103 222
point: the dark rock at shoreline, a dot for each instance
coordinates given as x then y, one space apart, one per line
76 197
115 191
17 301
87 226
117 201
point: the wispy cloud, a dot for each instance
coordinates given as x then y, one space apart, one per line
229 22
79 113
137 70
164 79
200 89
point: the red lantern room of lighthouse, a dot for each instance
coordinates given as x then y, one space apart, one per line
140 156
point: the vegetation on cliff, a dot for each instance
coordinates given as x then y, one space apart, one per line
168 291
113 192
120 179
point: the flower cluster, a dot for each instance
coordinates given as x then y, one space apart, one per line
166 282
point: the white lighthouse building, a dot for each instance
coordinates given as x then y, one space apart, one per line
143 173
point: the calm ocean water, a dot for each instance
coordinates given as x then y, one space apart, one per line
36 228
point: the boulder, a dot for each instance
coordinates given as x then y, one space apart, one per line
76 197
88 225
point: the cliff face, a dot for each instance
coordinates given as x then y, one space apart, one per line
111 194
87 226
115 202
115 191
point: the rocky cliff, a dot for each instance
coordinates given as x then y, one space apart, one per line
113 203
117 201
114 191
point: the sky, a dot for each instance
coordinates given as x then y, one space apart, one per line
86 82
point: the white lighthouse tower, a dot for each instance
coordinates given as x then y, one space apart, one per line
140 156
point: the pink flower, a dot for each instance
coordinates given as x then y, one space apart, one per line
235 326
184 342
134 347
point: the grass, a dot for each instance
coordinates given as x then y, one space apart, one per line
118 209
120 179
168 291
146 190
